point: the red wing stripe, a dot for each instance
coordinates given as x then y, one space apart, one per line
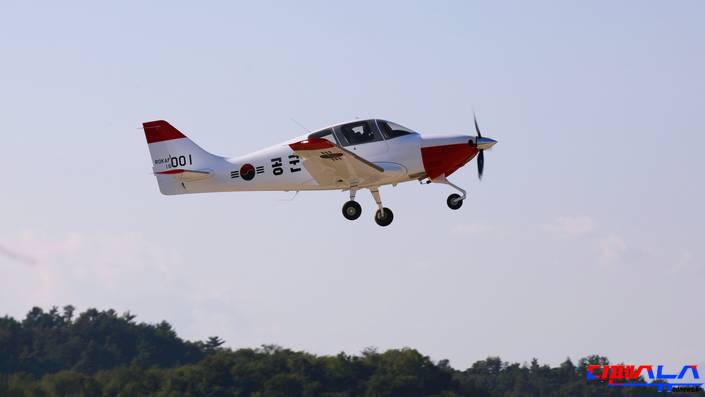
160 130
312 144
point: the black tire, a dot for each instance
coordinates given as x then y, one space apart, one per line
351 210
386 219
454 202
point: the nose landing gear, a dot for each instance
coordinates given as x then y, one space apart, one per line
454 201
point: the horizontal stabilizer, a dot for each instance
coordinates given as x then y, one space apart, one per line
187 175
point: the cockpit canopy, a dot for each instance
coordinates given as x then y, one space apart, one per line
362 131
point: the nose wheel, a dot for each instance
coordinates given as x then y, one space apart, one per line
454 201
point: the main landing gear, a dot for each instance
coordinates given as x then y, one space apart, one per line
383 216
352 210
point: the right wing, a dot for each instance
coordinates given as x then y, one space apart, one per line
330 164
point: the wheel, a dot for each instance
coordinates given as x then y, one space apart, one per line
454 201
352 210
384 219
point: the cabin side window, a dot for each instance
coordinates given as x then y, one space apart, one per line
360 132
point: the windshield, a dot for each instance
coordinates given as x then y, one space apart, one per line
323 134
392 130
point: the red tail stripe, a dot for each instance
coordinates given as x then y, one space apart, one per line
160 130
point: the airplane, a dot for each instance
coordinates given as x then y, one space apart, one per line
349 156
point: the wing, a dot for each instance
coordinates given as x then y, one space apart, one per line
330 164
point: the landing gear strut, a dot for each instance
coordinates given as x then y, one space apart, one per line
383 216
351 209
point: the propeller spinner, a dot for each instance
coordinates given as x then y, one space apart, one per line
481 144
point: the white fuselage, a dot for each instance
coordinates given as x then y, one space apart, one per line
279 168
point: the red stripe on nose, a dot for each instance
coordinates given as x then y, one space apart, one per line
445 159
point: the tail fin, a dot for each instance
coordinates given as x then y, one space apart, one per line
176 160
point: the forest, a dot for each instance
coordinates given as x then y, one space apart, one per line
103 353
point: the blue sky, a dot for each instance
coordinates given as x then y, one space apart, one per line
585 236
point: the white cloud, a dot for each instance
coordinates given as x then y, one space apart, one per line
571 226
76 267
472 228
611 250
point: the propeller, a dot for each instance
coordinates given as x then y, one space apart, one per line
481 154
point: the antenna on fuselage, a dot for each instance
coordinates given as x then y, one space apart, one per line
306 130
296 193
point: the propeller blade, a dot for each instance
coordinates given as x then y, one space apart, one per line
480 163
476 127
